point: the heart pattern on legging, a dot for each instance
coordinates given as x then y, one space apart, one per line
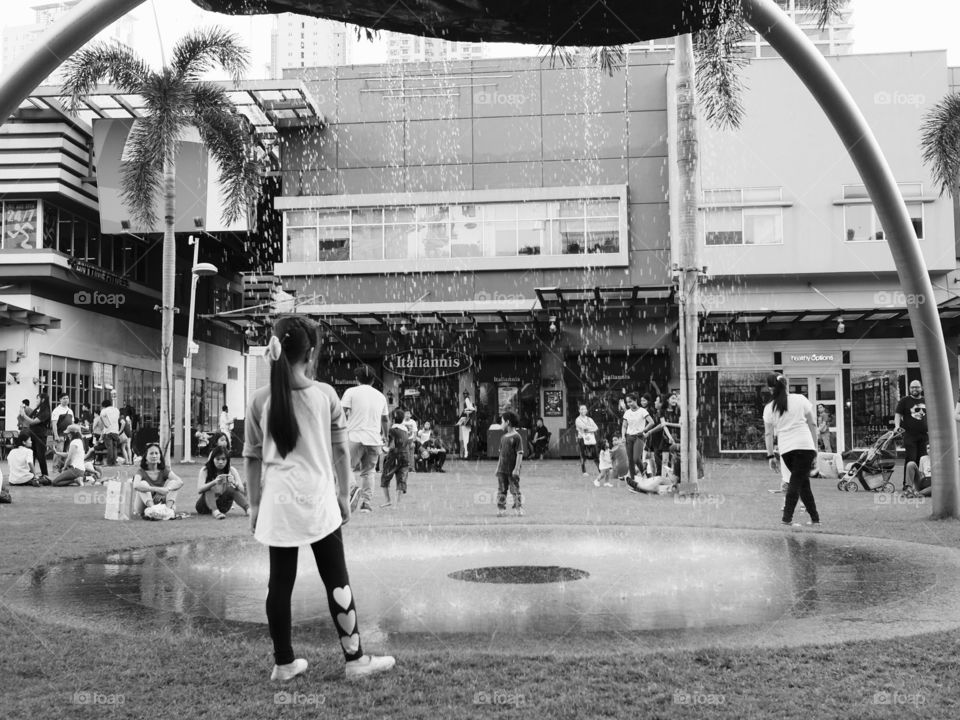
343 596
348 621
351 644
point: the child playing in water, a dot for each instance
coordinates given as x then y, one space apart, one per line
397 462
606 465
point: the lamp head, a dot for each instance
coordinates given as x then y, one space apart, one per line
841 328
553 325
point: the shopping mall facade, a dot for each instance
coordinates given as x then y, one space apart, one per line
504 228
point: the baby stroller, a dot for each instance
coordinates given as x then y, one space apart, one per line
872 470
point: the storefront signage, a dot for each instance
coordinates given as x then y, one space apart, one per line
97 272
20 225
813 357
609 378
506 380
427 362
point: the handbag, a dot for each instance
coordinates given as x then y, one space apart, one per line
589 438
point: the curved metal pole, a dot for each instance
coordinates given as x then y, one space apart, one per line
822 82
65 37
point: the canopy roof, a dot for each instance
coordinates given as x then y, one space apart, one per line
535 22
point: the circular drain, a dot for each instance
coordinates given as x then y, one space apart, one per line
519 574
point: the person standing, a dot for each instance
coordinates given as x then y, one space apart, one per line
368 421
296 446
636 422
789 418
60 419
225 425
823 427
40 427
396 464
508 467
110 419
586 439
911 417
468 417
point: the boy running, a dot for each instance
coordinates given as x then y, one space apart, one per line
397 461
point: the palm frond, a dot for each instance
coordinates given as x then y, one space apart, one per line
608 58
88 67
940 142
142 173
229 137
719 61
366 33
828 10
566 56
201 50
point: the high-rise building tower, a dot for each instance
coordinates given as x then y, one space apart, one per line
836 38
298 41
413 48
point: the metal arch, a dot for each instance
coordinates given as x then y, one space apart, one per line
63 39
837 104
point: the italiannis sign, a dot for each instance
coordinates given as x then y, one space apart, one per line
427 362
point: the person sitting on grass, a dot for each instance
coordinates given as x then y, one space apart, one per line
397 462
20 461
540 440
76 463
220 486
919 475
154 483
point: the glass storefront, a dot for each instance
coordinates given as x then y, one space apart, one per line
873 399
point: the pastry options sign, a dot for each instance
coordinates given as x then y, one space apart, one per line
427 362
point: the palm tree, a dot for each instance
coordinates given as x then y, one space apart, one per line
176 97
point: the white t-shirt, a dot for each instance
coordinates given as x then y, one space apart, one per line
21 465
75 454
636 420
367 407
110 417
56 413
606 462
584 425
790 428
225 423
298 502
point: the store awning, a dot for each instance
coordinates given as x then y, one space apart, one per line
11 315
655 300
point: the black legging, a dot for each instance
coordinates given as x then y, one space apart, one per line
40 451
328 553
799 462
913 449
587 452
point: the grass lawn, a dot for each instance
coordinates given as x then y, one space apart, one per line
85 666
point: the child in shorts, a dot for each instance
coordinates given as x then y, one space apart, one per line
508 467
397 462
606 466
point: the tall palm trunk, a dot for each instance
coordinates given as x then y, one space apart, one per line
687 260
167 309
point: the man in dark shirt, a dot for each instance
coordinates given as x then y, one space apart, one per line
508 469
911 416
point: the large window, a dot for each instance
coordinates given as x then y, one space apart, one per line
561 227
206 400
743 216
860 220
874 395
141 390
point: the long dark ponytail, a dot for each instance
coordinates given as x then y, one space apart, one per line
779 384
293 339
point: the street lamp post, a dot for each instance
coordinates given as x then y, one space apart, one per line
198 270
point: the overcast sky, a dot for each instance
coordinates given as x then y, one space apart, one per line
879 26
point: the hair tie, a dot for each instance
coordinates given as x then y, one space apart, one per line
274 348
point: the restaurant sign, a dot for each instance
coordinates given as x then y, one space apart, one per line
427 362
814 357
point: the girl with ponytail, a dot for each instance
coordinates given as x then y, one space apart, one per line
298 475
790 419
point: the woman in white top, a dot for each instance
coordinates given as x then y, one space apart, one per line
466 421
298 474
586 440
790 419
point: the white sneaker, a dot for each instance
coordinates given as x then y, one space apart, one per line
596 483
288 671
608 484
369 665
